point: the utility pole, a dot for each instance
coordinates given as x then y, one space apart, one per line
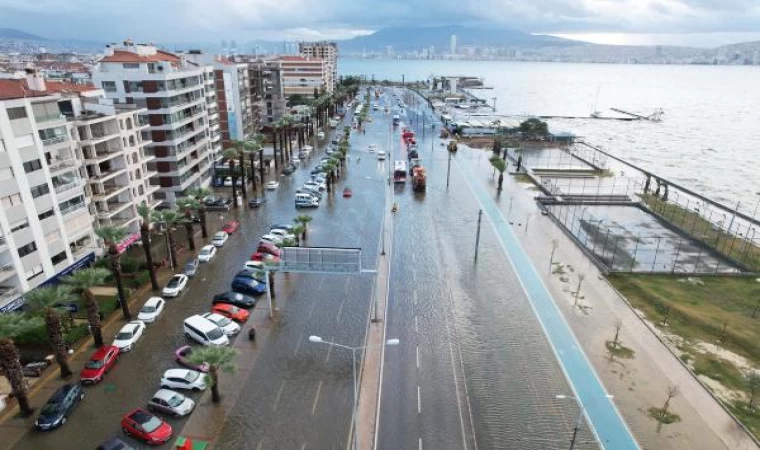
477 236
448 172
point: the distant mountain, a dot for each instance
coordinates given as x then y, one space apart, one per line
415 38
12 33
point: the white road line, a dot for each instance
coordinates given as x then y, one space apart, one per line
420 446
316 399
416 328
419 401
258 447
279 394
418 358
298 345
456 380
311 310
303 447
340 310
329 350
414 276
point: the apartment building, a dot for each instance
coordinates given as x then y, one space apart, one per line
45 225
301 75
328 51
238 111
266 87
182 111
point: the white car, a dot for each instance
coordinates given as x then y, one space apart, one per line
151 310
220 238
372 148
314 185
183 379
276 240
381 155
129 335
229 327
176 285
320 135
282 234
170 402
255 265
272 185
207 253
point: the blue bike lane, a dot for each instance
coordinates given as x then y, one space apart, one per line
601 413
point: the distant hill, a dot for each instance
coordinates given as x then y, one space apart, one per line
12 33
414 38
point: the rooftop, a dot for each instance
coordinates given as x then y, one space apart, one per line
124 56
17 88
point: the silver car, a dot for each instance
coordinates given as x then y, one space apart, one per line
171 402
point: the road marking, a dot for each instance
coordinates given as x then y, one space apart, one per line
303 447
279 394
414 297
418 357
298 345
456 380
420 446
340 310
416 328
313 303
419 400
414 276
316 399
412 257
258 447
329 350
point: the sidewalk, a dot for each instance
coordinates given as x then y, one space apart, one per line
638 383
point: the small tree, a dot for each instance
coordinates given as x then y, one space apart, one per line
82 281
187 205
297 232
673 390
146 214
170 218
218 359
11 325
753 382
47 300
112 236
500 165
230 155
304 220
618 326
199 194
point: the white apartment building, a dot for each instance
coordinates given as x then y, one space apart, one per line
180 99
328 51
301 75
45 224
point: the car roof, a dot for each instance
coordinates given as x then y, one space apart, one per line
140 415
61 393
102 351
178 276
176 373
208 247
153 301
165 394
131 326
220 233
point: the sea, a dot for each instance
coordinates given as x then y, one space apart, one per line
708 139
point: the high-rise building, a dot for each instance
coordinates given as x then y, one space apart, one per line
302 75
266 86
453 44
182 111
327 51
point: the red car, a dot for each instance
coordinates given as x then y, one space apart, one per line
231 226
101 362
264 257
239 315
145 426
268 247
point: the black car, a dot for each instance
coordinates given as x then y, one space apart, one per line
288 170
256 202
115 444
59 406
317 170
235 298
217 201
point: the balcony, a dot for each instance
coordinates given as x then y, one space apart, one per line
54 140
74 208
107 191
7 271
106 175
68 187
50 120
97 156
112 209
60 164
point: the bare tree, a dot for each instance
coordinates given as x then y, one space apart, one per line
581 277
618 326
753 382
673 390
555 243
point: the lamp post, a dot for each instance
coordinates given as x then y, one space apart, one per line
353 350
579 422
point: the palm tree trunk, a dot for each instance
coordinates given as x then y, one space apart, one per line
171 249
215 397
148 249
242 176
501 179
189 233
261 167
55 335
252 157
271 284
113 253
9 360
202 215
93 317
274 147
234 184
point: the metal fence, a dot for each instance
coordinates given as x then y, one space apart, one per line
592 186
548 159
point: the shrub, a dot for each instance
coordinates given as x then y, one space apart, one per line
129 264
108 305
32 336
140 279
76 333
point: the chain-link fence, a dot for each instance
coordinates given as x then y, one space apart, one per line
548 159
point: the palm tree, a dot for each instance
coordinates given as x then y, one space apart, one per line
188 205
199 193
45 300
303 219
500 165
146 213
112 236
12 325
298 231
170 218
82 280
275 136
230 155
217 358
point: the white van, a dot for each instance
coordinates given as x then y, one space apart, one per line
304 200
205 332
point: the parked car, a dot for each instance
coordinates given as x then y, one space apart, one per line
314 185
253 274
231 226
220 238
289 227
183 379
311 190
268 247
256 202
182 355
247 286
204 332
381 155
320 135
175 286
229 327
371 148
191 267
288 170
207 253
213 200
100 363
171 402
306 200
235 299
144 426
239 315
115 443
318 169
258 265
128 336
151 310
282 234
272 185
276 240
303 155
265 258
59 406
228 182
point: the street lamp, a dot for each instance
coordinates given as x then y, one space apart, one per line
580 415
353 350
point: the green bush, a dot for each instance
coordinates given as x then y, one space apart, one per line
140 279
37 335
129 264
76 333
108 305
102 263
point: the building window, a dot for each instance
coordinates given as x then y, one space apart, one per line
31 166
131 65
109 86
58 258
11 200
16 113
27 249
40 190
46 214
34 272
20 225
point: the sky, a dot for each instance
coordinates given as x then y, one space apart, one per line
668 22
